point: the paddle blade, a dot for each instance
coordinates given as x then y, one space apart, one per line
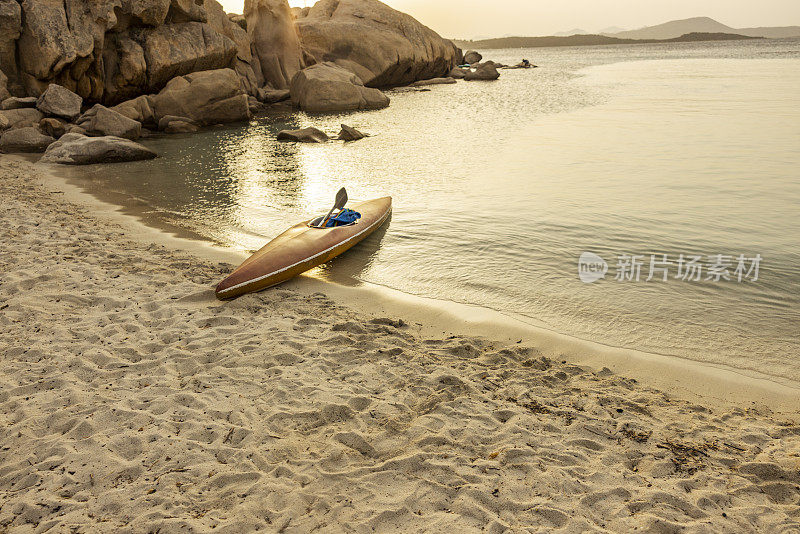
341 199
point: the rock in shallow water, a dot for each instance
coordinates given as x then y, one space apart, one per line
434 81
28 139
486 71
272 96
348 133
174 124
328 87
305 135
77 149
170 124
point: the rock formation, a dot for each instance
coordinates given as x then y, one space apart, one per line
77 149
208 97
328 87
275 43
382 46
178 65
176 49
111 51
100 121
236 32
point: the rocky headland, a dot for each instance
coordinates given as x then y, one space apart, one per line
126 68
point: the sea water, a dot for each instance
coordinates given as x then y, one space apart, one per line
647 160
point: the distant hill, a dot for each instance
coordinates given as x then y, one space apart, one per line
676 28
611 29
579 31
574 31
589 40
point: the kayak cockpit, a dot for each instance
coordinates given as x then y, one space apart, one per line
344 217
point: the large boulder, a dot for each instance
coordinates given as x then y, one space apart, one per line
101 121
384 47
328 87
61 41
485 71
471 56
275 42
20 118
28 139
59 102
177 49
208 97
125 68
46 44
77 149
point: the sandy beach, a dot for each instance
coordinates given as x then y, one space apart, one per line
132 400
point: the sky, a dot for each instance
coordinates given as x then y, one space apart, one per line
470 19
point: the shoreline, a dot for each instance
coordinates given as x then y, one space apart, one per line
132 400
687 379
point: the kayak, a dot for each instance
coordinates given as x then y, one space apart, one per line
302 247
